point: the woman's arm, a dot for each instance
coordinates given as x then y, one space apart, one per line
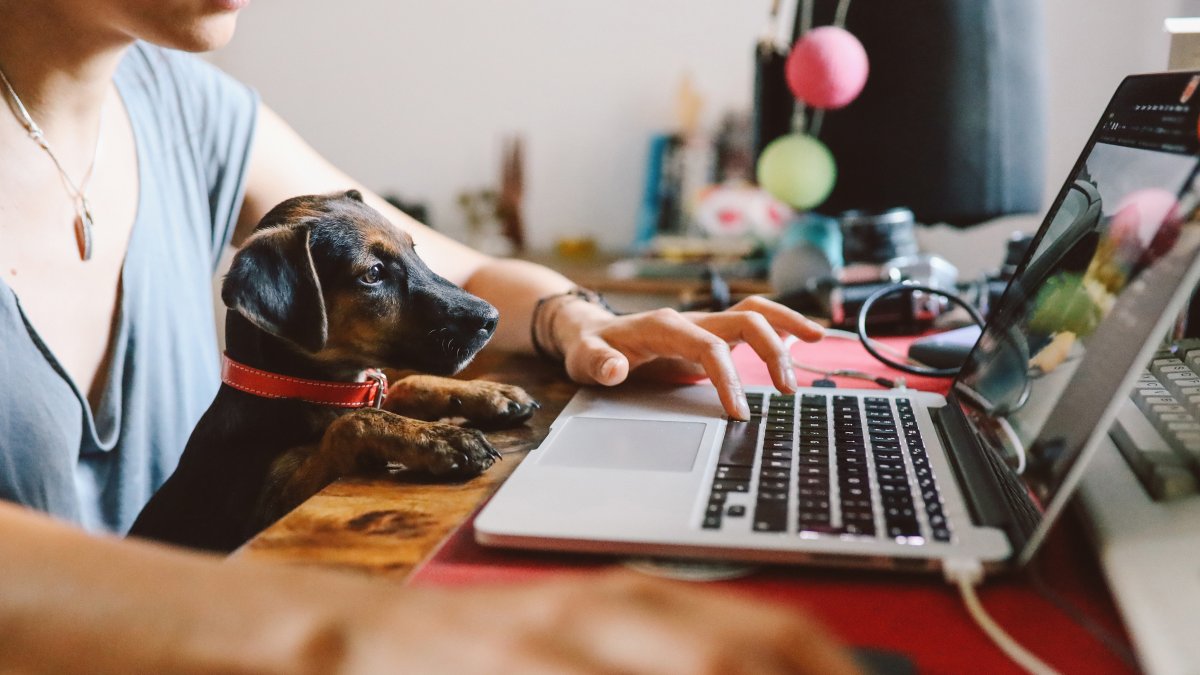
70 602
595 346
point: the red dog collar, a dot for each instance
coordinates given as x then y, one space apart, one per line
271 385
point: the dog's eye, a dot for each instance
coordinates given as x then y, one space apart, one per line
372 276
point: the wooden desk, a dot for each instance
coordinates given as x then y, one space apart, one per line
386 526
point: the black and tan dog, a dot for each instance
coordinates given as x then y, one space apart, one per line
325 289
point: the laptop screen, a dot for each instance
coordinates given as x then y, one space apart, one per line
1100 279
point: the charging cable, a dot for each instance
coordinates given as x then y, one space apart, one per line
874 348
851 373
894 359
897 383
966 575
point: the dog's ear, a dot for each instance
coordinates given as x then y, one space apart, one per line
355 195
273 283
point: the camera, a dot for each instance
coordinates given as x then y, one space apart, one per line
831 266
839 298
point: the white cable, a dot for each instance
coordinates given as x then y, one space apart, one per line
1015 441
840 372
839 333
965 575
850 335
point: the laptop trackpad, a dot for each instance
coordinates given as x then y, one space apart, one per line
606 443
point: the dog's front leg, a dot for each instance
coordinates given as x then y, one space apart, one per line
484 404
372 438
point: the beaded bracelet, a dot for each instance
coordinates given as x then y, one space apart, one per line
554 353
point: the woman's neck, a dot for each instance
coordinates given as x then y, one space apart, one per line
60 66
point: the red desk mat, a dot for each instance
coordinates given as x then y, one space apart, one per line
918 615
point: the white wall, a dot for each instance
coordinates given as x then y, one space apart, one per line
416 96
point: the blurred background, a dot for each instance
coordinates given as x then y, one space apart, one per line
417 99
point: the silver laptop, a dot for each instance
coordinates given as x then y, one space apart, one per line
900 478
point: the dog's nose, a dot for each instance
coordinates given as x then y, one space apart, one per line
488 325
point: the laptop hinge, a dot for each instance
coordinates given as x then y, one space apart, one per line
983 495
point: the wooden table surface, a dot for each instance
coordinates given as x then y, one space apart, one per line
387 525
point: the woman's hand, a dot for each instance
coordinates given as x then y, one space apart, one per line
599 348
612 623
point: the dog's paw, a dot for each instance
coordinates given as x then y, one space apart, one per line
454 452
492 405
484 404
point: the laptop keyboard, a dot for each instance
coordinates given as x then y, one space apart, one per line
1164 449
842 464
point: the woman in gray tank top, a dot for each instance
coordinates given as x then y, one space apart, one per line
126 167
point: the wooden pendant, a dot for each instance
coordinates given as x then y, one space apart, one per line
83 235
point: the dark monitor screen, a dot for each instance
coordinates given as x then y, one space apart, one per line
1106 271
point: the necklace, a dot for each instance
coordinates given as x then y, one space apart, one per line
78 192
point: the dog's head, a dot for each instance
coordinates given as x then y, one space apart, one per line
333 277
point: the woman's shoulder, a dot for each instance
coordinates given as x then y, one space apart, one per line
170 74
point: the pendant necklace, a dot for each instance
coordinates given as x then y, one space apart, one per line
78 192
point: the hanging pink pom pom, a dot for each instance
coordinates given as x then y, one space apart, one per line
827 67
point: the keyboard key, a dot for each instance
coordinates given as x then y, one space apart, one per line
901 501
904 529
733 472
731 486
867 529
770 517
738 446
814 518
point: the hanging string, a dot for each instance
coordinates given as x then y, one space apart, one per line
799 109
806 16
839 18
839 21
769 42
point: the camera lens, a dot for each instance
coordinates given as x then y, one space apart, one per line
875 237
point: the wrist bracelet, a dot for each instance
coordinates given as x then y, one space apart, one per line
542 321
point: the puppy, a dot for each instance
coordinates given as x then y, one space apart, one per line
324 290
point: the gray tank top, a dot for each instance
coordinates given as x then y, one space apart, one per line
193 126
